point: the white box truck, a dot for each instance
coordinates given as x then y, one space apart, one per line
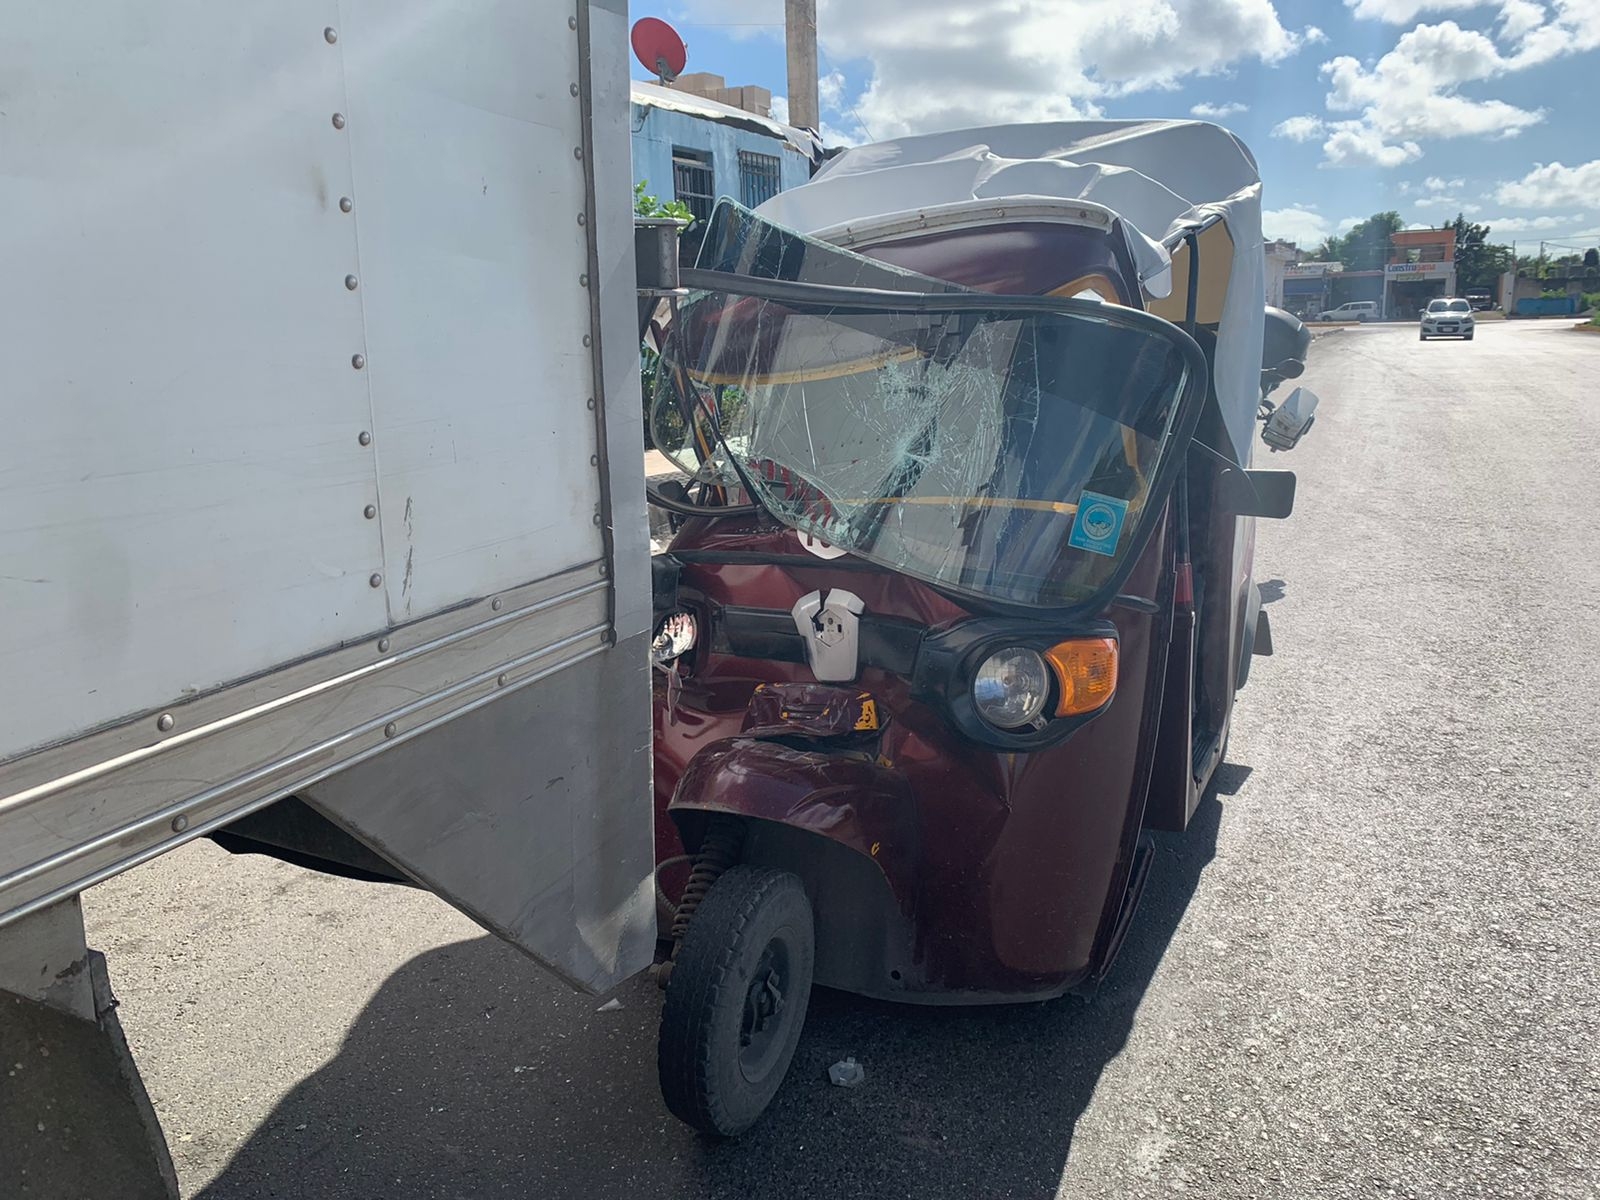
320 462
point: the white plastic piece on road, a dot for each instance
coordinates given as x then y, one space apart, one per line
847 1073
611 1005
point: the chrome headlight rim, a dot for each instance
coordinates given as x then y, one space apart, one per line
1019 684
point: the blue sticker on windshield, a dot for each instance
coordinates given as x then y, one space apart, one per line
1098 526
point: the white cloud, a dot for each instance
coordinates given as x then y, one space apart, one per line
1540 29
1518 18
1300 224
1553 185
1353 144
944 64
830 90
1299 129
1574 29
780 109
1503 226
1215 112
1412 93
1436 192
1303 225
849 134
1403 12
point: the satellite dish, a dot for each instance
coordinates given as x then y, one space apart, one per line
659 48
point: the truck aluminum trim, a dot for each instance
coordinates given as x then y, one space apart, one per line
128 792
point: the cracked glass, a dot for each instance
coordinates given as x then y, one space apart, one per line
956 447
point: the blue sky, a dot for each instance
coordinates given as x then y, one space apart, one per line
1351 106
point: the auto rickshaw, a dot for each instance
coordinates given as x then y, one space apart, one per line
960 591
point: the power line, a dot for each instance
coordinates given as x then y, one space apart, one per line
832 70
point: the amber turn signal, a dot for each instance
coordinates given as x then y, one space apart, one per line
1086 671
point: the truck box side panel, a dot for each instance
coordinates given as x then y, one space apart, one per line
181 477
396 311
463 131
549 847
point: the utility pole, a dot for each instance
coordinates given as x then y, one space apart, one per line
800 39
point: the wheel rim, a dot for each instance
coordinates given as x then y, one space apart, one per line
769 1006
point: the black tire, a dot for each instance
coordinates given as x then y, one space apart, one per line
722 1055
1467 338
1422 337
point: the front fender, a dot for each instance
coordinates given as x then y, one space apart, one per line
843 797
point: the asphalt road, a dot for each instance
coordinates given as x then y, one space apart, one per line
1369 970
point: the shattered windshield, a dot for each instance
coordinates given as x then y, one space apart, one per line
1004 454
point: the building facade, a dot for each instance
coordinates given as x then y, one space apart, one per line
1280 256
1421 267
1305 287
694 149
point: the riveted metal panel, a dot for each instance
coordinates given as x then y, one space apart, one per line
467 146
312 468
182 475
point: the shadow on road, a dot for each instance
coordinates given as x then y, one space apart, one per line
1273 590
470 1073
1228 780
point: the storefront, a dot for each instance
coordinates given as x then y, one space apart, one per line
1407 287
1421 268
1349 286
1305 287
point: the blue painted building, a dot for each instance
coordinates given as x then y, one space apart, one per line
690 148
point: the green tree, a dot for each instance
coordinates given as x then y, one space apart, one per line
646 205
1478 263
1366 246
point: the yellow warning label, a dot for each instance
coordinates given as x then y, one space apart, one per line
868 720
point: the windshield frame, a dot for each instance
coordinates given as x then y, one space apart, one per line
821 298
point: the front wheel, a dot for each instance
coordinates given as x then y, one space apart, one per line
1422 337
1468 338
736 1000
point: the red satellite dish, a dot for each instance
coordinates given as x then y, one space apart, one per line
659 48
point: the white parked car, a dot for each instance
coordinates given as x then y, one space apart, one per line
1447 318
1355 310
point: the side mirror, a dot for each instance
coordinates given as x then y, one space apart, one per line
1284 340
1268 494
1291 420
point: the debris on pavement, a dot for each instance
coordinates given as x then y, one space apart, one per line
611 1005
847 1073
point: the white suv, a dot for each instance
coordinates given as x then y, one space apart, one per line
1356 310
1447 318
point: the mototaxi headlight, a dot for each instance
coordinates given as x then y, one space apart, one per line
674 638
1011 687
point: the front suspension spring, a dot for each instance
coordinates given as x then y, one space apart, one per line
719 850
